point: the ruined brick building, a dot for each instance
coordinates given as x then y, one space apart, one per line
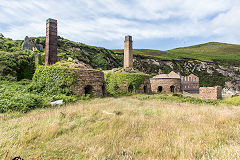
190 83
128 67
212 93
166 83
89 81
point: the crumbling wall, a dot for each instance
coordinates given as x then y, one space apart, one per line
89 82
190 84
213 93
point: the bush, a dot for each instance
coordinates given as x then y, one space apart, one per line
15 97
233 101
16 66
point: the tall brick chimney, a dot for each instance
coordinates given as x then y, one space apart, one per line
128 52
51 42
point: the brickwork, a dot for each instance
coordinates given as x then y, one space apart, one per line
89 82
213 93
51 42
165 85
190 83
128 52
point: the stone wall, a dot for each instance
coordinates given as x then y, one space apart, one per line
165 85
213 93
89 82
51 42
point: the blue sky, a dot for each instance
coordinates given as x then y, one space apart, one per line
154 24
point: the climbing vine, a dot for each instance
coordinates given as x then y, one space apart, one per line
116 81
53 79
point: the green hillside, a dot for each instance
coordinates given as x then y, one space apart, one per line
222 53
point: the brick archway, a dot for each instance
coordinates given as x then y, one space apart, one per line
88 90
160 89
172 88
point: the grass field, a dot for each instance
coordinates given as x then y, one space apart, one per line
134 127
223 53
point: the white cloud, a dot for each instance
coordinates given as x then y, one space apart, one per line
109 20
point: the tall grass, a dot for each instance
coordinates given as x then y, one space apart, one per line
123 128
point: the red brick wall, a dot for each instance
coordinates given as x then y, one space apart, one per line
213 93
190 83
165 84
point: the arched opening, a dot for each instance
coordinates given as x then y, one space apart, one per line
130 88
172 89
116 87
145 89
88 90
103 90
160 88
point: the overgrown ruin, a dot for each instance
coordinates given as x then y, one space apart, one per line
90 81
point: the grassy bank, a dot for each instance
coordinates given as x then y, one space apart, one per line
123 128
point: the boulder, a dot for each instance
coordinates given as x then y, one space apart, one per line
57 103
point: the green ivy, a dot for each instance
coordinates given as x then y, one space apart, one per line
53 79
115 82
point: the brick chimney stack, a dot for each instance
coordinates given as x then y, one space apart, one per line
128 52
51 42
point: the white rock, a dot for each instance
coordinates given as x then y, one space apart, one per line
57 103
70 59
106 112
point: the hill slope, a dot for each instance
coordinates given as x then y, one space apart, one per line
222 53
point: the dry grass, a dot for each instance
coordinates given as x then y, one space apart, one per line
149 129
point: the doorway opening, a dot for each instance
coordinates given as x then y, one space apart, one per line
172 89
88 90
160 88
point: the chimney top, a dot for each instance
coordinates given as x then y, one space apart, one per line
50 20
128 38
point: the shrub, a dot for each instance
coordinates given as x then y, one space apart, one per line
233 101
16 66
15 97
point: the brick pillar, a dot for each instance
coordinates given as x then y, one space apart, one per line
51 42
128 52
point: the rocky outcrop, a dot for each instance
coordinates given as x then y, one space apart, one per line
210 73
31 45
